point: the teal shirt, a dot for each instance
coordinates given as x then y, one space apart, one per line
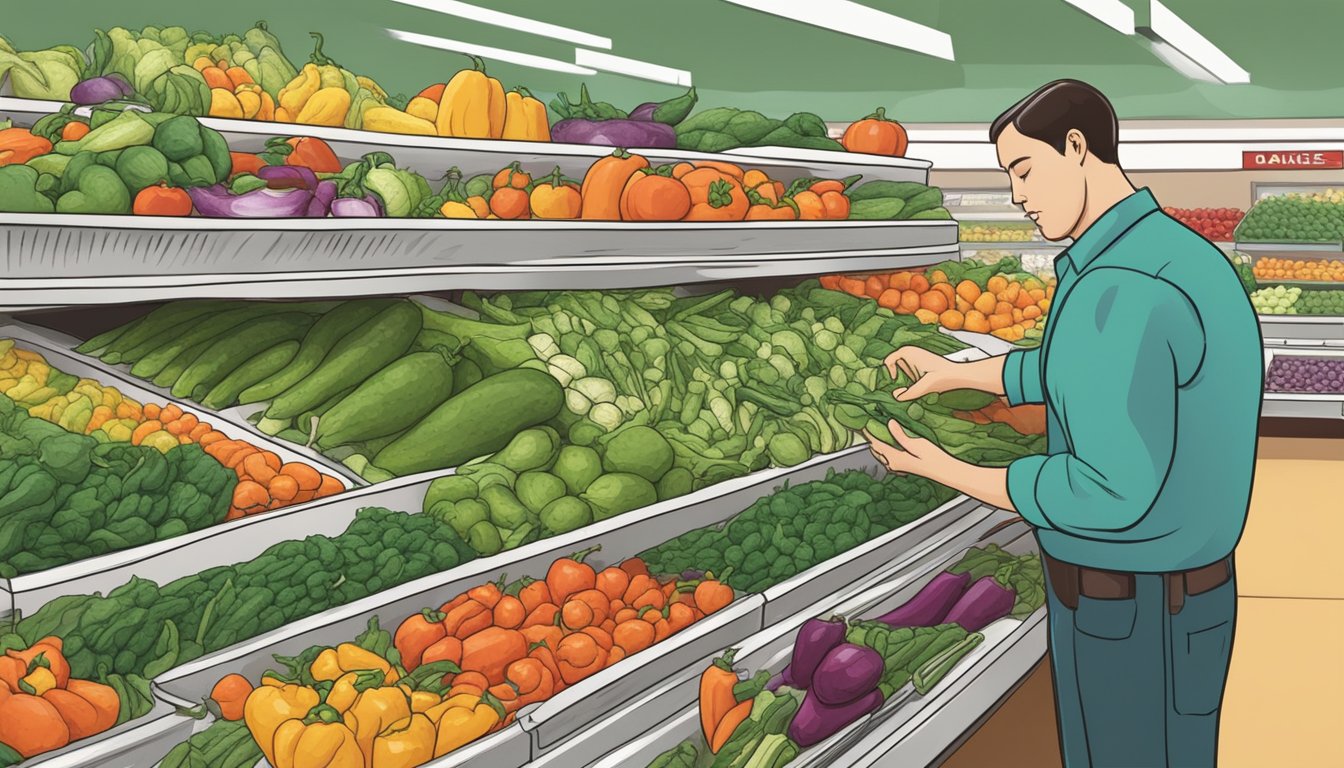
1151 371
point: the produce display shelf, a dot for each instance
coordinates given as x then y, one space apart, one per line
667 715
1283 330
79 259
1321 405
432 155
1251 247
574 709
140 742
1012 245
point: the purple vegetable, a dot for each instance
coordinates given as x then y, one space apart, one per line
691 575
782 678
97 90
816 722
815 639
354 207
289 177
615 133
322 197
264 203
644 111
928 608
984 603
846 674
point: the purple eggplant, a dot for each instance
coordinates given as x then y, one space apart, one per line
354 207
848 673
322 197
816 722
644 111
97 90
815 639
984 603
928 608
630 134
217 202
781 678
668 112
288 176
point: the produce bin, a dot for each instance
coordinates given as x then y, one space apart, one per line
138 743
1011 647
1317 405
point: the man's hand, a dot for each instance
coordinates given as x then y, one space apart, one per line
929 372
915 455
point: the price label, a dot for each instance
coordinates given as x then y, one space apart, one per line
1272 160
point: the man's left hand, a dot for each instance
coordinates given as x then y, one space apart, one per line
915 455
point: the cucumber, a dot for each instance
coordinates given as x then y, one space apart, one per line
880 209
325 333
933 214
304 422
353 359
238 346
178 364
481 420
874 190
208 328
226 392
158 327
102 340
925 201
389 401
465 373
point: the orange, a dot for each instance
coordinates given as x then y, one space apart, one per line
996 283
985 303
926 317
933 301
998 322
963 305
952 320
938 276
976 322
948 292
968 290
918 283
909 302
874 286
890 298
901 281
1003 308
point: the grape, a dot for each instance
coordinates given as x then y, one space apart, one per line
1304 374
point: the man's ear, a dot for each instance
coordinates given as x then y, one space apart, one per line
1075 145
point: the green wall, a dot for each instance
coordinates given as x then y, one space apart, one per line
744 58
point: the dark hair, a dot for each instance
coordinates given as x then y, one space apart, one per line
1054 109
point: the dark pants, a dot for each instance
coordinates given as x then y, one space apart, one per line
1139 687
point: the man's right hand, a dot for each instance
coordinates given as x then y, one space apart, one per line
930 372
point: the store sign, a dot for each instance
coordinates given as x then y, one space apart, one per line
1293 161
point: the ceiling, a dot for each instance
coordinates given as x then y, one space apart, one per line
744 58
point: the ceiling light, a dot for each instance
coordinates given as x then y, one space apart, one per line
1166 27
488 52
850 18
643 70
1113 13
510 21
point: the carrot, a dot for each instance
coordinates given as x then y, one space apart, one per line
211 439
534 594
545 614
249 496
728 724
612 582
576 615
638 586
458 615
151 411
491 651
330 486
679 617
633 636
199 431
569 575
170 413
634 566
602 638
716 694
145 429
185 423
509 612
712 595
283 488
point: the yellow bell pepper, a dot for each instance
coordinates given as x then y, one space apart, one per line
373 712
320 740
472 106
423 701
272 704
459 725
525 117
293 96
423 108
407 743
352 658
350 685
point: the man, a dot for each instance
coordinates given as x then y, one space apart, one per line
1151 372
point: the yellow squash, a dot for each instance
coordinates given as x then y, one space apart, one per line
472 106
525 117
392 120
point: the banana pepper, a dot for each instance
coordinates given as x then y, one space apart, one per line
271 705
319 740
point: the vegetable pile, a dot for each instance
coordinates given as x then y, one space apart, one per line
1323 270
797 527
1305 375
1295 217
842 671
969 295
1284 300
997 233
1215 224
43 706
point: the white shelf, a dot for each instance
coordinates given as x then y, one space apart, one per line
59 260
1254 247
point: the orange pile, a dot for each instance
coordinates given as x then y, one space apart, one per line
1303 269
265 482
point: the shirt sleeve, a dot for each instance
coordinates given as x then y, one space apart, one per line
1022 377
1130 342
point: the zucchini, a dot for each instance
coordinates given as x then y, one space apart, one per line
879 209
179 363
480 420
158 327
321 337
152 364
388 401
359 355
933 214
226 392
238 346
102 340
874 190
925 201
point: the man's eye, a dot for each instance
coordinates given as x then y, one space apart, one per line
1025 175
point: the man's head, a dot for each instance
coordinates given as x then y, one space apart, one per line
1049 143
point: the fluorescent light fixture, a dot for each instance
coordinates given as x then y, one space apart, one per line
487 52
1113 13
510 21
1166 27
643 70
850 18
1180 62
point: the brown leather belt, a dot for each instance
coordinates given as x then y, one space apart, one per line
1069 581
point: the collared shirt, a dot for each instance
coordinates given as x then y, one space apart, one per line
1152 371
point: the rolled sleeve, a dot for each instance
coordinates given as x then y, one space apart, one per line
1121 367
1022 377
